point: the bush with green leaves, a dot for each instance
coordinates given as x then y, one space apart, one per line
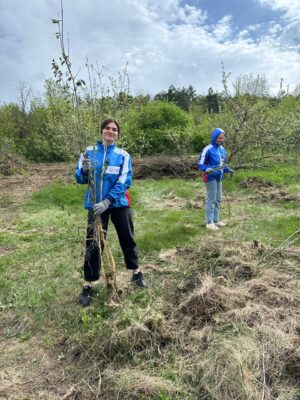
159 127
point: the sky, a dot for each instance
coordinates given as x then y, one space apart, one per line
162 42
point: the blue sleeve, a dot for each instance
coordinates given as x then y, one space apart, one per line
80 176
124 180
203 160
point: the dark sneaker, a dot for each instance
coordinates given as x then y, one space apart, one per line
139 280
86 296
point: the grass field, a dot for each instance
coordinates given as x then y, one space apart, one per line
220 319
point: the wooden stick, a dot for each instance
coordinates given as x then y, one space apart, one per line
110 274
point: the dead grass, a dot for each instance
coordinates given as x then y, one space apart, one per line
208 300
133 384
229 336
235 371
226 327
266 190
256 182
124 343
264 293
237 338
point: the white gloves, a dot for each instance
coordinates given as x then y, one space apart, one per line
99 208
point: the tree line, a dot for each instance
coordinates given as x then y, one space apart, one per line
53 127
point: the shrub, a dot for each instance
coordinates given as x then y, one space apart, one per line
158 127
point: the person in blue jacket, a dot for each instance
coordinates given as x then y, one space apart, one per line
212 164
107 170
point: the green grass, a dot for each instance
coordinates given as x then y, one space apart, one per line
65 197
166 230
42 275
151 193
49 228
286 175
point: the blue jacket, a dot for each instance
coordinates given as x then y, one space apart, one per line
110 175
213 156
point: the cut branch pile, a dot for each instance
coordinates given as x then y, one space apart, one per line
165 166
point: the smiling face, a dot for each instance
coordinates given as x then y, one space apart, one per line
220 139
110 133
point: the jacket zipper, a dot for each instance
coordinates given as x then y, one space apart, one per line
102 172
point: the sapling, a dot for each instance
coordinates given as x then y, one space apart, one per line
110 274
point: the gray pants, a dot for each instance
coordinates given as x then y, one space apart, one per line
213 201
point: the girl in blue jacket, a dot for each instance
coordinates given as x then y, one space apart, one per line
110 171
212 164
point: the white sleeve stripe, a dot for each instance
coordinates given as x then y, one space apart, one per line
121 151
80 161
122 178
202 159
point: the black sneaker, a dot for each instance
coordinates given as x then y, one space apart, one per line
139 280
86 295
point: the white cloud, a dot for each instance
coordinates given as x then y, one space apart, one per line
291 7
223 28
164 43
291 31
275 30
191 15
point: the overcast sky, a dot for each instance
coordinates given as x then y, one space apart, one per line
164 42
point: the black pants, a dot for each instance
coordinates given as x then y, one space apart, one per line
122 220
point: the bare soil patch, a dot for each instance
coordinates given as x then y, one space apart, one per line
27 369
15 188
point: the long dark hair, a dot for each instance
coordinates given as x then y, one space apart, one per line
108 121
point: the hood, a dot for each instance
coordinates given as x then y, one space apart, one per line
214 135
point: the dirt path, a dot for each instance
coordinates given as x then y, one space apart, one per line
28 370
15 188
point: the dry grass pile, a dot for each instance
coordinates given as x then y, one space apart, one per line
225 259
253 182
208 300
281 353
264 292
267 190
229 368
170 200
165 166
131 384
239 334
217 333
134 339
111 354
278 195
148 334
251 315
